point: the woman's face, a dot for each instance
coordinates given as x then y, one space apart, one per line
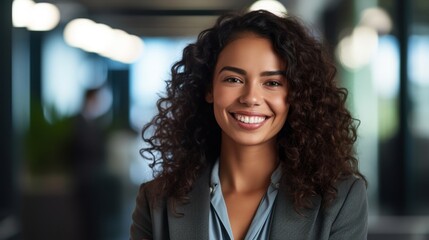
249 91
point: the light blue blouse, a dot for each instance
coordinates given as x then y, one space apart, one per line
219 226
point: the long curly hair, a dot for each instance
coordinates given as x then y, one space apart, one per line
316 144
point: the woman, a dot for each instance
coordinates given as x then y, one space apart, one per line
252 141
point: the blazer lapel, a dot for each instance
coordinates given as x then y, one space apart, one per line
194 223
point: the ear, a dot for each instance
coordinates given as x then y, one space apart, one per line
209 97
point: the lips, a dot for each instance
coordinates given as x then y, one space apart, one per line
249 120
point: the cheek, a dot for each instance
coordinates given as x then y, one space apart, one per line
287 111
219 115
282 115
223 97
220 108
222 101
280 105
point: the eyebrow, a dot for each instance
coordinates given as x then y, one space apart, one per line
243 72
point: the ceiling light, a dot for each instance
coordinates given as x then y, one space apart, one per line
35 16
99 38
21 9
43 17
272 6
376 18
356 50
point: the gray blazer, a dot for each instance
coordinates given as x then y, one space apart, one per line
345 219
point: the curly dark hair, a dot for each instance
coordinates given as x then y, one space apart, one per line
316 144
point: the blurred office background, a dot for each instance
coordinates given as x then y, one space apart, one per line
79 79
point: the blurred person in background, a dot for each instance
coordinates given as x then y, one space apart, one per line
252 141
87 161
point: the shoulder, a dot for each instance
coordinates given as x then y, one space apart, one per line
147 192
351 189
349 211
351 192
148 188
145 217
344 218
350 183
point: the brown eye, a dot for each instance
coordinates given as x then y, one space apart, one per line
233 80
273 84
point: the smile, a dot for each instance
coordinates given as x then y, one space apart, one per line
249 119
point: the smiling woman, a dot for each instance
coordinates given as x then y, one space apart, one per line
253 141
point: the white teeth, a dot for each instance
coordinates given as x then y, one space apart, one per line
249 119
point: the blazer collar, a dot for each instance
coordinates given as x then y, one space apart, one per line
194 223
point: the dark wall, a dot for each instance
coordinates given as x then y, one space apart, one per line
5 105
7 190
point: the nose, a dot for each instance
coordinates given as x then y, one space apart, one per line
251 95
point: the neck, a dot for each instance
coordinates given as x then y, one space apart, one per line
246 168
